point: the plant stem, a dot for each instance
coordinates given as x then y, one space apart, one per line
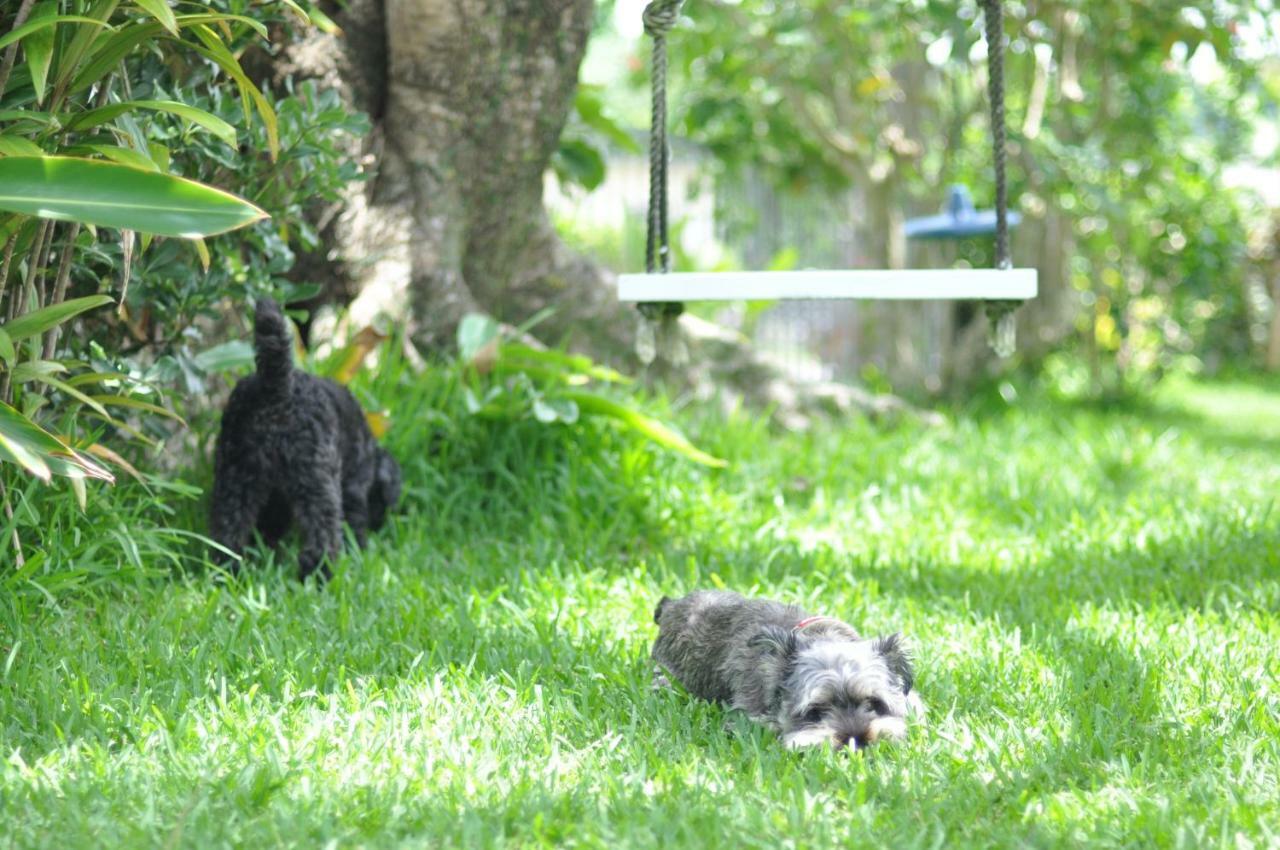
4 267
12 53
18 560
60 287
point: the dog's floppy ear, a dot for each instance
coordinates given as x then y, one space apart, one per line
777 641
897 659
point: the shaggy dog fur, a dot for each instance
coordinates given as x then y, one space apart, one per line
295 448
812 679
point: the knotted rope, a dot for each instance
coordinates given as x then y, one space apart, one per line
660 17
1003 327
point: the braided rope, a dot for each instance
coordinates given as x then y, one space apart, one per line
993 13
660 16
1002 328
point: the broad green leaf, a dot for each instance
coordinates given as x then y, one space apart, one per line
229 355
125 401
515 351
39 321
14 450
194 20
217 52
25 443
110 51
73 53
112 195
38 47
124 156
44 23
555 410
82 495
35 370
61 386
202 251
313 16
210 122
475 331
18 146
160 10
642 424
6 348
100 451
591 106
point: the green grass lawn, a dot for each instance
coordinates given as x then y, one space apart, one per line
1093 594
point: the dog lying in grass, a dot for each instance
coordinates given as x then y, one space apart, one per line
295 449
811 679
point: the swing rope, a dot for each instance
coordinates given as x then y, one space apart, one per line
1002 327
660 18
659 318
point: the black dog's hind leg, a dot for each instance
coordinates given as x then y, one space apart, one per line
317 500
238 499
355 510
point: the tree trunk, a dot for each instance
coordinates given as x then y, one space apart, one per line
469 98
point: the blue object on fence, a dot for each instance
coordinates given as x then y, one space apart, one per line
959 221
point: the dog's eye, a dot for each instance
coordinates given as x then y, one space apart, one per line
878 706
813 715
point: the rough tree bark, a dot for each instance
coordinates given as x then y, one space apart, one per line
468 98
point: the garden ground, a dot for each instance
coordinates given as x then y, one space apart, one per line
1093 593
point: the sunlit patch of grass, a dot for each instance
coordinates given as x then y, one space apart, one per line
1091 592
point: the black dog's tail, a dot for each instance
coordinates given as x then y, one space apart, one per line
272 344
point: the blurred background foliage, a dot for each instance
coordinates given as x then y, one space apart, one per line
1143 149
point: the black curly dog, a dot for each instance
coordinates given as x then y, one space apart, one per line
295 448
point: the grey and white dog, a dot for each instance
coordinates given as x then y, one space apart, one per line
810 678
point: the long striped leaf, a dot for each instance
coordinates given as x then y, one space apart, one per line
646 425
38 47
107 194
38 321
125 401
160 10
40 453
43 23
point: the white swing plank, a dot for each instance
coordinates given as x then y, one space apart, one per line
870 284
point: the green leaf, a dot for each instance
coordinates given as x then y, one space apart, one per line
515 353
125 401
18 146
124 156
475 331
48 380
38 321
35 26
642 424
210 122
160 10
592 108
72 54
555 410
217 52
35 370
229 355
112 195
6 348
38 47
195 20
578 161
313 16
